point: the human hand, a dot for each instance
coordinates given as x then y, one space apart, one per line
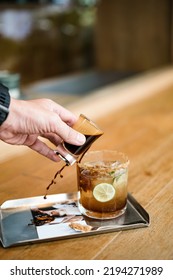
28 120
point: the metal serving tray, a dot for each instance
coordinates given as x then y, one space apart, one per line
21 220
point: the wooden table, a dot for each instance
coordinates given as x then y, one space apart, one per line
143 129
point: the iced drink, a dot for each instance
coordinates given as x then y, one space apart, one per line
102 183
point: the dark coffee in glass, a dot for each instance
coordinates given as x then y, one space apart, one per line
78 150
68 152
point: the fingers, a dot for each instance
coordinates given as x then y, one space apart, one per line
59 121
44 150
66 120
49 105
57 126
68 134
66 116
53 138
54 123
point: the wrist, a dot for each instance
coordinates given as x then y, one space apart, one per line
4 103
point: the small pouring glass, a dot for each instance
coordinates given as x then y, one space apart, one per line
70 153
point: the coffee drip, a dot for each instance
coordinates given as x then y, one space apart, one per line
72 153
53 181
59 172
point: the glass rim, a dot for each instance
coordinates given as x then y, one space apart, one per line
91 122
123 164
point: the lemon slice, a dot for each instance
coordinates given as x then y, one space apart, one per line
103 192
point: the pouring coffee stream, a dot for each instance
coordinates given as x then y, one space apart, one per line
59 172
53 180
71 153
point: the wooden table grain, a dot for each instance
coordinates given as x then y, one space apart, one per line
144 131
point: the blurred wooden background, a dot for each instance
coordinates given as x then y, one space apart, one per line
118 35
133 35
